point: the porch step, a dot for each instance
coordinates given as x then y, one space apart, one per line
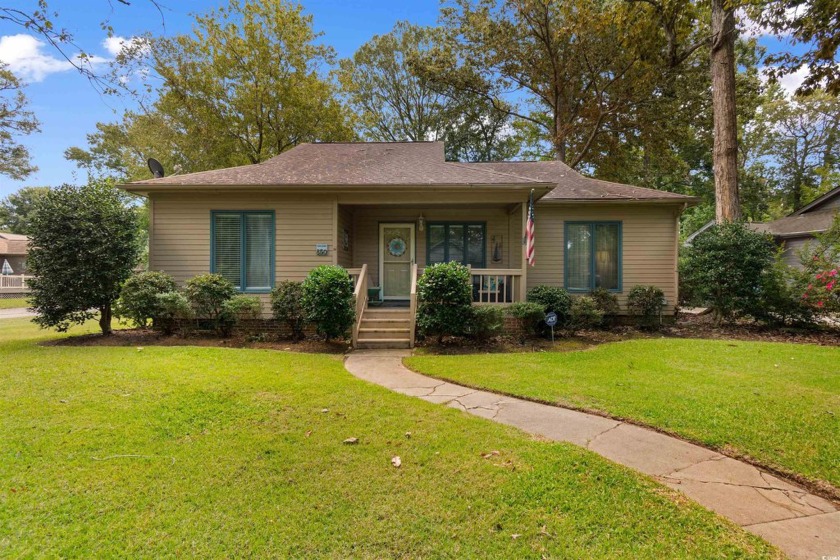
379 333
374 313
368 323
379 343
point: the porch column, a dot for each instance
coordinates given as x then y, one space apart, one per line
523 283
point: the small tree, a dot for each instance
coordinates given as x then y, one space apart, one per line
328 300
445 298
553 299
84 245
725 268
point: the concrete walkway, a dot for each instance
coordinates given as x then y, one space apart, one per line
799 523
15 313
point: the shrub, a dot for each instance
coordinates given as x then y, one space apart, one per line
724 268
208 293
327 297
170 308
84 243
585 314
238 308
553 299
529 312
781 300
445 295
821 272
606 302
138 297
287 306
646 302
486 322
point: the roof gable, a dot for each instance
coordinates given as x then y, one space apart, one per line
829 199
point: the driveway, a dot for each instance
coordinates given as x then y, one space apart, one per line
16 313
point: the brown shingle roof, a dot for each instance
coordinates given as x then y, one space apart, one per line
571 185
410 163
799 225
13 243
352 163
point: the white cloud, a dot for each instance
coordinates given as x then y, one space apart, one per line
792 81
114 45
27 59
789 82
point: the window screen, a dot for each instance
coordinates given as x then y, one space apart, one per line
243 248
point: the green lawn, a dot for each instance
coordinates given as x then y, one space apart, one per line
187 451
779 403
12 303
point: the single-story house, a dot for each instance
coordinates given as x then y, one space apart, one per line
795 230
386 210
13 248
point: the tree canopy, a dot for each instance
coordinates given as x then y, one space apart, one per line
15 120
249 82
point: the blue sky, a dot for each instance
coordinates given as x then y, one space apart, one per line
69 107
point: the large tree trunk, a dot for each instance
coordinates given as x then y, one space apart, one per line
105 319
725 154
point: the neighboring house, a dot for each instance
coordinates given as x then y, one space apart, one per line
795 230
13 251
383 209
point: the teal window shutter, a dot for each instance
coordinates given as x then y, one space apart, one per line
242 248
592 258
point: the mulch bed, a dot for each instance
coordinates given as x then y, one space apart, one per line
148 337
686 326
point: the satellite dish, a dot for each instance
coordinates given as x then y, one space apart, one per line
156 168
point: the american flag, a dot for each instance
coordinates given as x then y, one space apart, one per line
529 232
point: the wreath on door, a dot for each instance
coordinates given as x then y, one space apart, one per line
397 247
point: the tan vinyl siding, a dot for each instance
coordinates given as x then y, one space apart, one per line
649 249
366 222
180 240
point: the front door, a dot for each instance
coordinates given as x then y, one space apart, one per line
396 255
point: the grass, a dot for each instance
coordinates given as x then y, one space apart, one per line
12 303
187 451
777 403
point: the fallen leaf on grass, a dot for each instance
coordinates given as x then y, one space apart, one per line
491 454
396 461
515 536
351 440
308 433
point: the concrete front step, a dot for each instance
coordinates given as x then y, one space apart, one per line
380 343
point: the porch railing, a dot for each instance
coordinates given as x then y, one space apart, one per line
14 283
361 295
496 285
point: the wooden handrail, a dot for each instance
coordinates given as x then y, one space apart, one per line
361 295
413 303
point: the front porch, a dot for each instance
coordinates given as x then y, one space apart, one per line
386 248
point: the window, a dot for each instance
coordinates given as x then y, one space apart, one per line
242 249
455 241
593 256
